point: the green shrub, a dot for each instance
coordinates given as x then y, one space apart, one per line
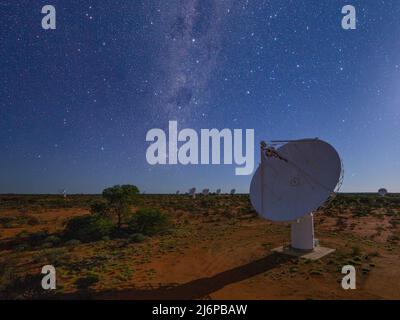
22 287
47 245
12 222
7 222
149 222
52 239
100 208
32 221
22 247
88 228
73 242
85 283
23 234
137 237
356 251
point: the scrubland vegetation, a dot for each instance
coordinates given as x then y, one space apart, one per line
109 243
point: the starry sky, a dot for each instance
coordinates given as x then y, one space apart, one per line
76 102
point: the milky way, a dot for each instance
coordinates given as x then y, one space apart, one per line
193 33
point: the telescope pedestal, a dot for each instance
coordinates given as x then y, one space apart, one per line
302 233
303 242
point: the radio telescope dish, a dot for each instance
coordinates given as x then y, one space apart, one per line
218 191
382 192
192 192
294 180
206 192
63 192
177 191
233 191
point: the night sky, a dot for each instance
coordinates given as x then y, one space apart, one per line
76 102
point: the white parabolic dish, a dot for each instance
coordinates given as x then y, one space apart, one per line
297 183
382 192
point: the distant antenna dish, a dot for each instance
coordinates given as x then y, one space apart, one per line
218 191
63 192
177 191
382 192
192 192
206 192
233 191
294 180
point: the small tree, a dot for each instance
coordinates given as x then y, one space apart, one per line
119 198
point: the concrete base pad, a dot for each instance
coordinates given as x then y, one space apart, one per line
315 254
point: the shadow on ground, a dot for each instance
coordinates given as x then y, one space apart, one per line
199 288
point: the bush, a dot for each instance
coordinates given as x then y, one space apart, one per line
22 247
356 251
149 222
85 283
88 228
17 286
7 222
52 239
23 234
12 222
32 221
100 208
47 245
40 235
137 237
73 242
